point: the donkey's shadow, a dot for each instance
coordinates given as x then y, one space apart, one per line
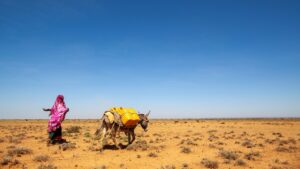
113 147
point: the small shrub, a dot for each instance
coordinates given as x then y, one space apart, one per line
212 137
248 144
210 164
240 162
15 140
101 167
87 134
138 145
1 140
185 166
19 151
282 149
229 155
66 146
251 155
152 154
73 129
41 158
292 140
188 142
15 162
168 167
276 167
6 160
186 150
44 166
226 161
176 137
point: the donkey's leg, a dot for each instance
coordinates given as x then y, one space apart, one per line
133 136
129 136
102 137
114 136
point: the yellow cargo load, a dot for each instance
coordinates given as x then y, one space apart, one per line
129 116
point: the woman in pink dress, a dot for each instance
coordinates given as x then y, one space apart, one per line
57 115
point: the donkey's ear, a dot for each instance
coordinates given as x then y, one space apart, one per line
148 113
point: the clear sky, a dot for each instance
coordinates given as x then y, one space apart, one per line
179 59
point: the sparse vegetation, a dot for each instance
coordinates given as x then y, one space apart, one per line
229 155
185 166
252 155
240 162
19 151
46 166
186 150
168 167
2 140
152 154
233 145
87 134
248 144
101 167
66 146
210 164
73 129
41 158
138 145
5 160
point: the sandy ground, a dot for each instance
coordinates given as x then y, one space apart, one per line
263 143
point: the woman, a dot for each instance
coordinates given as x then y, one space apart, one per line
57 115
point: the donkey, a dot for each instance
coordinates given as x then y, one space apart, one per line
112 129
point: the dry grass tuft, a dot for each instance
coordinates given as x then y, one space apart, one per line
138 145
66 146
188 142
19 151
87 135
210 164
101 167
185 166
46 166
168 167
248 144
186 150
152 154
252 155
1 140
41 158
229 155
73 129
6 160
240 162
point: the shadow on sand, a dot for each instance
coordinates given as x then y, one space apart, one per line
113 147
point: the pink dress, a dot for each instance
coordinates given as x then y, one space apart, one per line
58 113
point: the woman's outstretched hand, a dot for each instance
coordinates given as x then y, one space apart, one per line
46 109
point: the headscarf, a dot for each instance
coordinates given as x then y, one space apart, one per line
59 105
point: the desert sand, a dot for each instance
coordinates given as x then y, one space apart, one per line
222 143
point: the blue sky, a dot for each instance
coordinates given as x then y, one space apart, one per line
179 59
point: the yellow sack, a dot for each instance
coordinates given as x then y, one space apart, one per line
129 116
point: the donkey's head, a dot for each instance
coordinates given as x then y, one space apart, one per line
144 120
